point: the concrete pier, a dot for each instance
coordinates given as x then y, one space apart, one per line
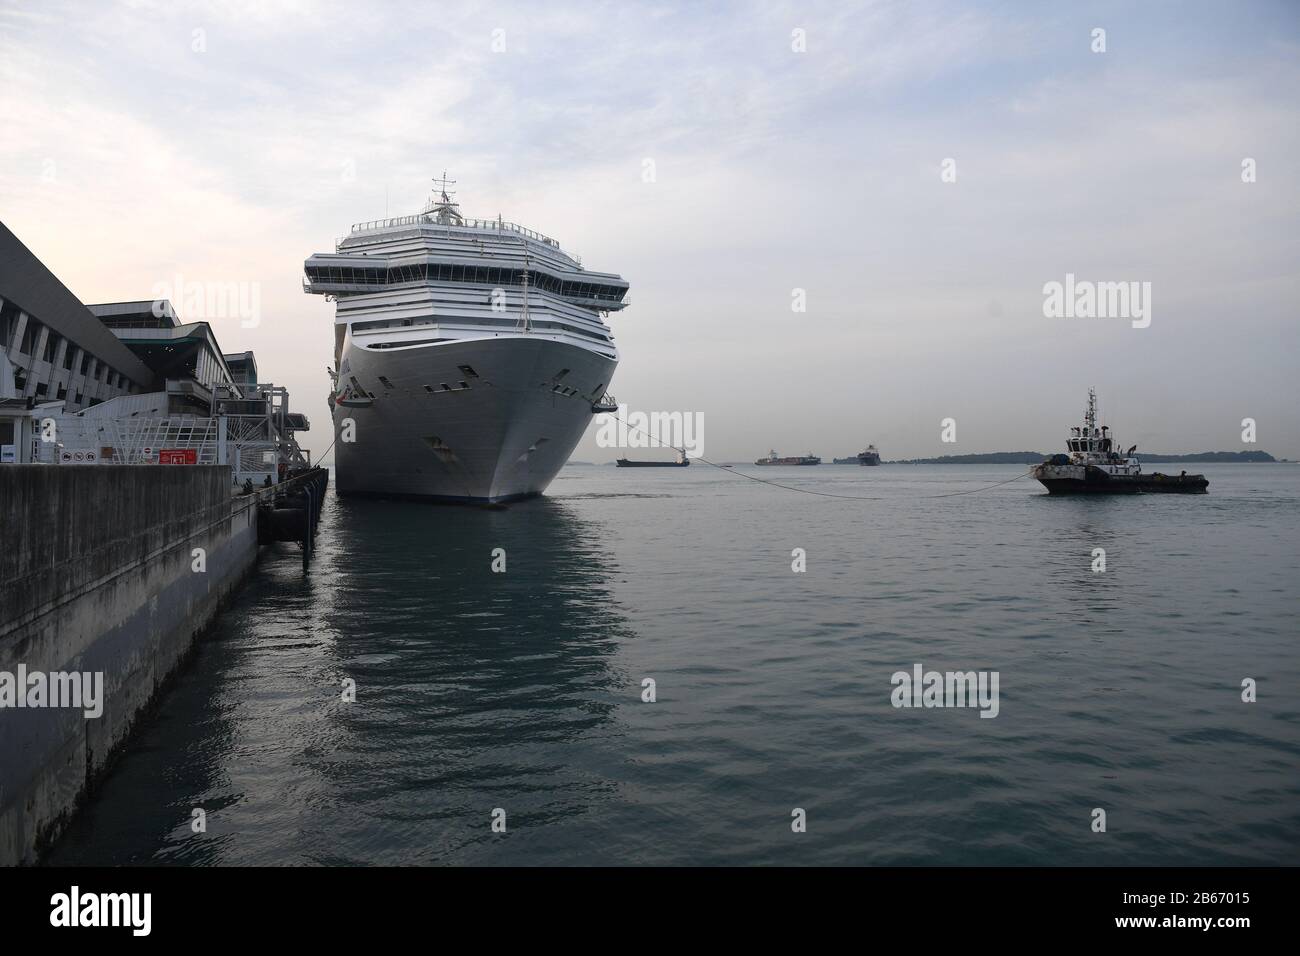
111 570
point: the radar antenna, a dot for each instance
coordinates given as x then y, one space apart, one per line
443 182
445 211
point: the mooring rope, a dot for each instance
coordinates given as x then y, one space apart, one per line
809 491
777 484
320 462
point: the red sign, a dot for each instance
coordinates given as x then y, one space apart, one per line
178 456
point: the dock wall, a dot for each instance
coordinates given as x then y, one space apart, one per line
98 574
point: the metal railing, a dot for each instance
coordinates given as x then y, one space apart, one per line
247 443
428 219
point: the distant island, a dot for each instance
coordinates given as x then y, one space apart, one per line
1034 457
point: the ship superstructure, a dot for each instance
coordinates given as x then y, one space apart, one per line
1095 463
469 354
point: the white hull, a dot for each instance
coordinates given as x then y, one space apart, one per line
503 437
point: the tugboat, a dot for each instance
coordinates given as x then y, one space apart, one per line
1096 466
772 459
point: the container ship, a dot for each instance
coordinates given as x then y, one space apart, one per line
1095 465
772 459
469 354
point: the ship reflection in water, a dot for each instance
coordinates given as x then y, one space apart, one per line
468 681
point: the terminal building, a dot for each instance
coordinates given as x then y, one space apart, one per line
128 383
184 357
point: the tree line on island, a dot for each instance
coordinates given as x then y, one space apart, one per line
1034 457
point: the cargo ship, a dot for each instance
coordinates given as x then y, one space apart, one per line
868 457
772 459
681 462
1095 465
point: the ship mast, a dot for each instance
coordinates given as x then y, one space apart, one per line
1090 418
445 212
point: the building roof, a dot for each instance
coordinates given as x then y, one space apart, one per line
28 284
242 361
161 348
159 311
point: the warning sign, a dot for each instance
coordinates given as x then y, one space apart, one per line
178 456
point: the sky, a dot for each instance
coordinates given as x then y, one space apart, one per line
800 146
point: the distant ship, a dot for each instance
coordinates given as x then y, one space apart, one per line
868 457
681 462
772 459
1096 466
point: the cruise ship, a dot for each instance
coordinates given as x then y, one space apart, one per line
470 354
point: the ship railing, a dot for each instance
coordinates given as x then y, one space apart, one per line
428 219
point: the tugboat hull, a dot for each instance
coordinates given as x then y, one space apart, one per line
1079 480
